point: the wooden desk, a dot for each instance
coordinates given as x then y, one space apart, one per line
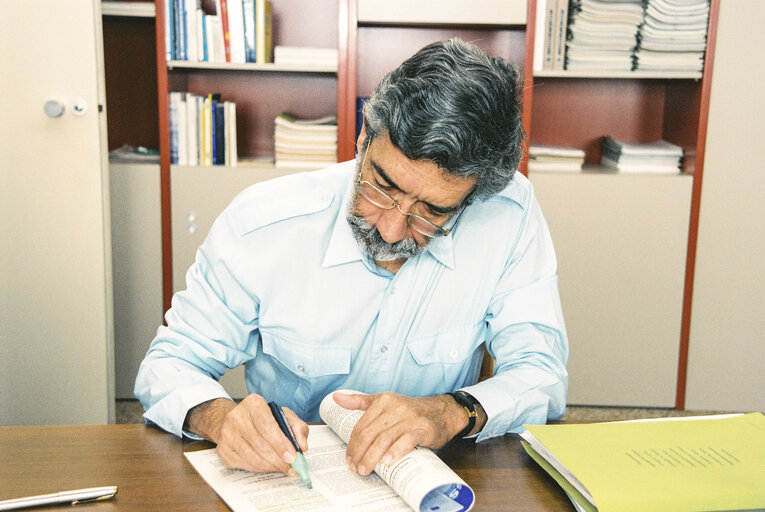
148 466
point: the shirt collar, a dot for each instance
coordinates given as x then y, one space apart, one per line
342 247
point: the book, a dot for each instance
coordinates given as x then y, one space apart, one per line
658 156
306 56
559 38
222 11
419 481
678 464
236 31
549 34
555 158
263 31
248 13
310 143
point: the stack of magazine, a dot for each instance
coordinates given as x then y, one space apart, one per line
602 34
679 464
659 156
308 143
543 157
673 36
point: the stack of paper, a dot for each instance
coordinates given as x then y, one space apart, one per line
555 158
305 142
652 157
305 56
602 34
673 36
677 464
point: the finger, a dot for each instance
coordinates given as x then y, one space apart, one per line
237 450
379 437
271 442
299 428
400 448
353 400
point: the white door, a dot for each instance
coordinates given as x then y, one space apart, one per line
56 333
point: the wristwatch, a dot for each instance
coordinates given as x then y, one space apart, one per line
468 403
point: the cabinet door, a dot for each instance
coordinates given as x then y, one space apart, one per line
621 244
56 333
726 350
137 266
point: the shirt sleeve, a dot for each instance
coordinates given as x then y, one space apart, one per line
526 336
210 327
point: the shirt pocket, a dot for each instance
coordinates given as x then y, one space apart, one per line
308 360
450 347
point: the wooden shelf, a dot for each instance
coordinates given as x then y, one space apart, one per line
694 75
250 66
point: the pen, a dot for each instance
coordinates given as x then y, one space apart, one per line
72 497
299 465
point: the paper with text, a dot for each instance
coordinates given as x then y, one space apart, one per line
420 481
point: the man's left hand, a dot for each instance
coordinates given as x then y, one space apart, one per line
392 425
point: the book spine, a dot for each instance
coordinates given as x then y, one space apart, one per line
223 15
182 129
173 113
232 154
248 14
264 31
177 35
207 130
549 35
561 26
169 30
236 31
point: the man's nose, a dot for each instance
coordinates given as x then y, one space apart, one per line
393 225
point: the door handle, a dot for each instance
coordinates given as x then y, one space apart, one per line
54 108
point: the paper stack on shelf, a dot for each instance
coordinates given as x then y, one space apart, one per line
555 158
305 142
673 36
602 34
306 56
660 156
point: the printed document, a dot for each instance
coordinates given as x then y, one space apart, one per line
419 481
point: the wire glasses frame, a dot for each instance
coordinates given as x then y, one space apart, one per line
385 201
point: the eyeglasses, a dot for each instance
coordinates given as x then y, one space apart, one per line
381 199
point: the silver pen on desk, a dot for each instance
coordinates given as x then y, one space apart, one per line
74 497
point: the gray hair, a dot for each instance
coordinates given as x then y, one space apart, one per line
452 104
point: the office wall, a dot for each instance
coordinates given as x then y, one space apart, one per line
726 364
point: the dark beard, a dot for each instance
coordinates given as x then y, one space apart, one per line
372 243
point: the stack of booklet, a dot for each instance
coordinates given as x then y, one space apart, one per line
660 156
673 36
602 34
306 56
678 464
308 143
543 157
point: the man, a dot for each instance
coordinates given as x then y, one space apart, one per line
389 275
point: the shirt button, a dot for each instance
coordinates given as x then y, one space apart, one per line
300 368
392 290
453 353
384 349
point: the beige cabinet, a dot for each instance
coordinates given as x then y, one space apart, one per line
726 353
137 266
621 245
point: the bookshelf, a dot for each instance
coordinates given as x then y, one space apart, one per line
559 108
625 244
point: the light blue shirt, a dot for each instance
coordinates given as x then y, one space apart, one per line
281 286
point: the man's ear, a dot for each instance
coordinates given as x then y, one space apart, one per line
362 137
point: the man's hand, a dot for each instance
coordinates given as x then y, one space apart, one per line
392 425
247 434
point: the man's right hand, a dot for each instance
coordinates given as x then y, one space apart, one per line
247 434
